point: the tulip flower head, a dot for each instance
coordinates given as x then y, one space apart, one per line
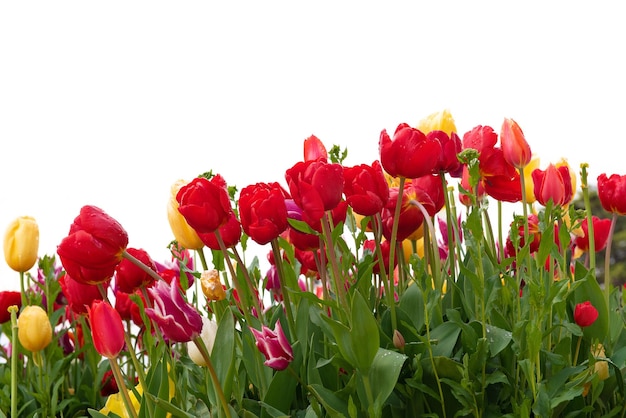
273 344
205 203
514 145
612 193
21 243
411 154
585 314
184 234
130 277
212 286
555 183
94 246
208 334
263 212
9 298
366 188
438 121
178 320
107 330
34 328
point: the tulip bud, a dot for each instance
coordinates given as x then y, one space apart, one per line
183 233
212 286
34 329
21 244
515 148
209 331
585 314
398 340
107 330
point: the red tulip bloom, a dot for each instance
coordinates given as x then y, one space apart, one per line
263 212
273 344
178 320
612 193
601 230
410 154
498 178
9 298
366 188
315 186
107 329
585 314
79 296
314 149
514 145
450 148
94 246
433 187
204 203
517 228
130 277
554 183
230 233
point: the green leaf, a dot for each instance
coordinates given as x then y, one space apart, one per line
334 405
384 374
223 354
498 339
364 336
280 394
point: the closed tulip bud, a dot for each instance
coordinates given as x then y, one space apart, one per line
585 314
107 329
184 234
212 286
209 331
34 329
21 243
398 340
515 148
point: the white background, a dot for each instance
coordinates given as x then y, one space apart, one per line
109 103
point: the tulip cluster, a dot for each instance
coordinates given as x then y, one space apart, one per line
383 297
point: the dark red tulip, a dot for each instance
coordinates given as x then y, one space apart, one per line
263 212
130 277
204 203
366 188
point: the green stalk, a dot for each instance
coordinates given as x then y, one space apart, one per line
338 281
283 289
216 382
14 355
117 373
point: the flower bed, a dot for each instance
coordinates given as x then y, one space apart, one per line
389 292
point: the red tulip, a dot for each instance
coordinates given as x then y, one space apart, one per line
204 203
130 277
230 233
433 187
585 314
315 186
9 298
314 149
94 246
410 154
263 212
514 145
450 148
601 229
370 245
366 188
612 193
79 295
517 228
553 184
178 320
107 329
273 344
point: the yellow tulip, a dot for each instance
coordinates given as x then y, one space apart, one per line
21 243
438 121
183 233
528 179
34 329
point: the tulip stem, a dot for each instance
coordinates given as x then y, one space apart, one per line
14 355
216 382
117 373
283 288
